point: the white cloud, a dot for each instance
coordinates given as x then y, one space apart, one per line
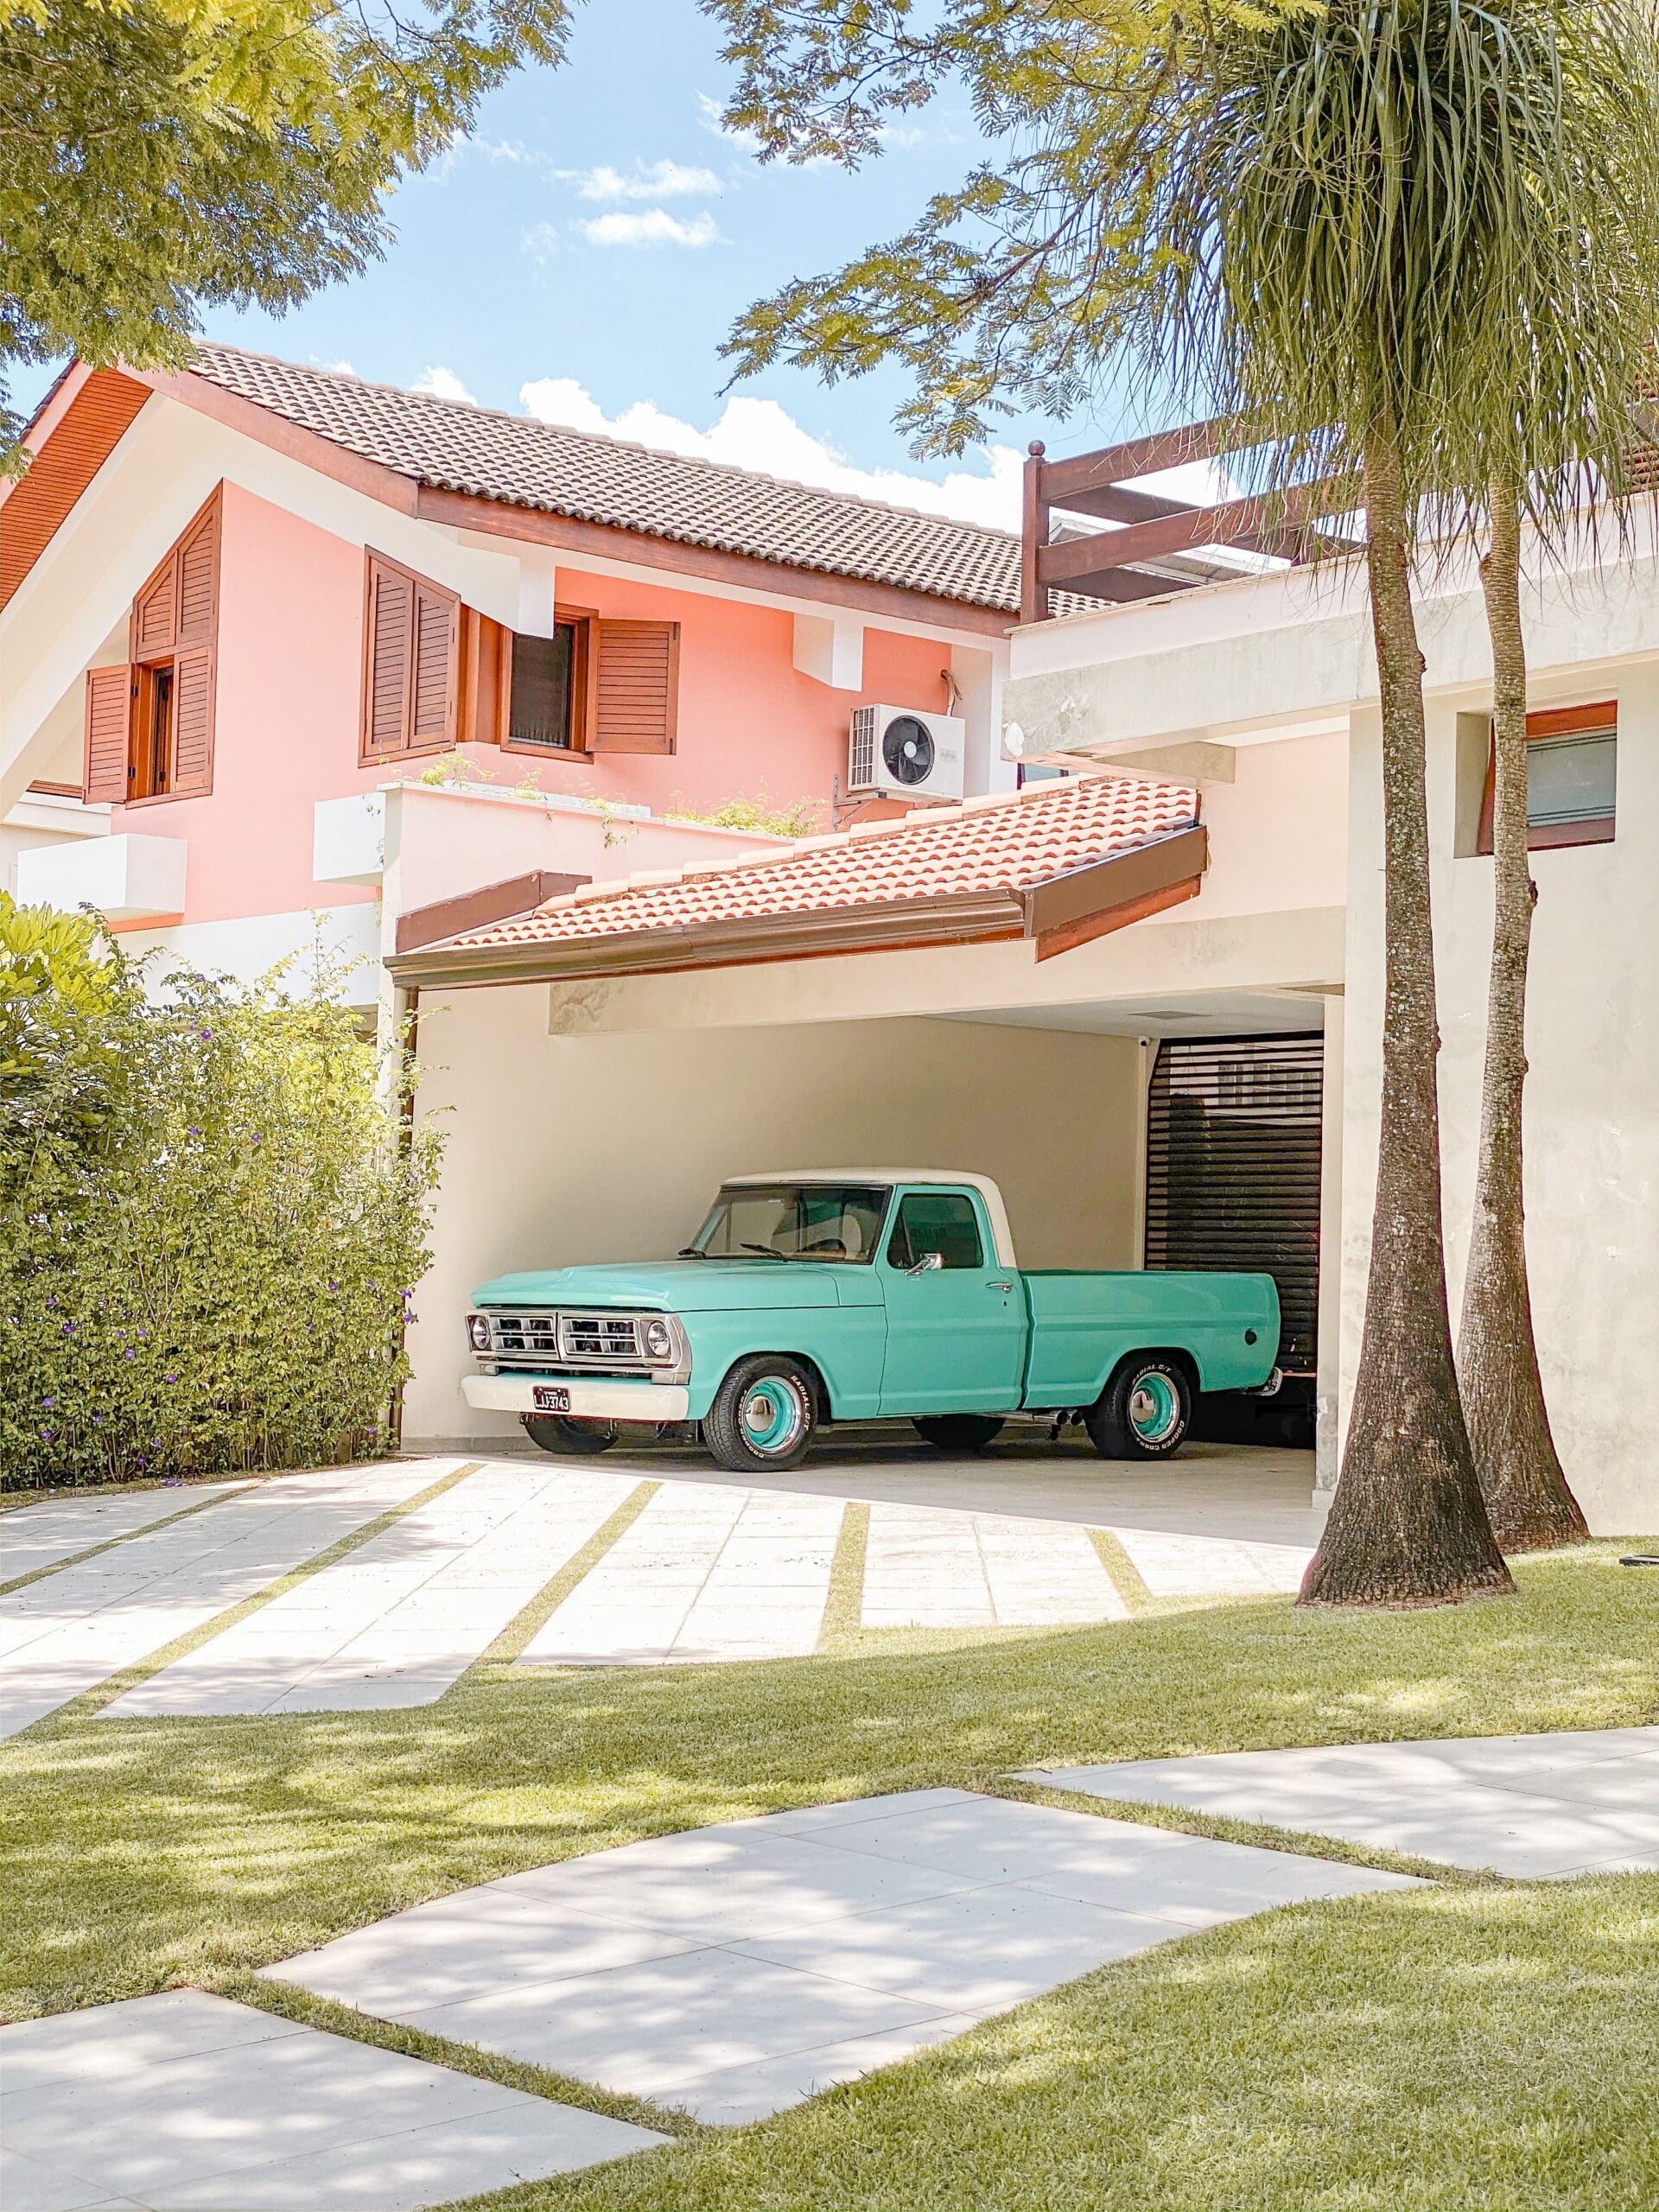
662 181
442 383
759 434
711 113
655 227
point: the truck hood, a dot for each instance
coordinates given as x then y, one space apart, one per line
672 1286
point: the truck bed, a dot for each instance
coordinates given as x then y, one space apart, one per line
1085 1321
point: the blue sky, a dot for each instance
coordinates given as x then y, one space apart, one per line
594 239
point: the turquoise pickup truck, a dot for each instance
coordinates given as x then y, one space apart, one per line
854 1296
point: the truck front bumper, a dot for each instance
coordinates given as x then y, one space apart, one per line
591 1398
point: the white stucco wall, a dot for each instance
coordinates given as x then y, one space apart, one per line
566 1149
1592 1092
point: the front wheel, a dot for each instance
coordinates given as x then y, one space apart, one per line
570 1440
763 1415
1143 1413
958 1431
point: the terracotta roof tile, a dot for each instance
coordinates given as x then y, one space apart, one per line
1007 843
453 446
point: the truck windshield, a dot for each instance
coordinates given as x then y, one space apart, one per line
794 1221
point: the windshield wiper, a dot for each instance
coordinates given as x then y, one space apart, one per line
767 1251
690 1252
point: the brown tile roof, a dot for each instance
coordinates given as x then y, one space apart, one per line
1005 844
453 446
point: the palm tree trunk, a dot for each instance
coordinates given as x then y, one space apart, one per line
1407 1524
1527 1496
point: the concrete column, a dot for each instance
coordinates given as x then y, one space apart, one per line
978 673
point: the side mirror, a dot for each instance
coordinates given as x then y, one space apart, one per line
926 1264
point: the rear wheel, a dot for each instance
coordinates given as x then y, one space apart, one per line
1143 1413
763 1415
569 1438
959 1432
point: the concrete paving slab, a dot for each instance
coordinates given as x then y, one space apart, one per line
706 1573
396 1621
644 2029
65 1634
731 2097
925 1568
797 1950
162 2103
34 1537
970 1953
1527 1805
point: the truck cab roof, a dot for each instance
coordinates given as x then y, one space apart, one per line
952 1178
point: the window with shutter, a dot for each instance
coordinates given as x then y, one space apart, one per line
411 656
149 726
636 686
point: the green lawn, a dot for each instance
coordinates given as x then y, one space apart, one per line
1486 2044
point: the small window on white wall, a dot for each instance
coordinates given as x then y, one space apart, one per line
1572 778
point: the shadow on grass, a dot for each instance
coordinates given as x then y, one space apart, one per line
152 1852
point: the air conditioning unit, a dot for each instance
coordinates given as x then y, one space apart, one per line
901 754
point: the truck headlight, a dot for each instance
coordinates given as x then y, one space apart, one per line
659 1340
477 1330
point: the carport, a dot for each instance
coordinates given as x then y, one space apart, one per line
1055 988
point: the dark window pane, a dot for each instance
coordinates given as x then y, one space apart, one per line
541 687
936 1221
1570 779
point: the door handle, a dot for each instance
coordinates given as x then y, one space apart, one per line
999 1285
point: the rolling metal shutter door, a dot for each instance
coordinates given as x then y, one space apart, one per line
1233 1168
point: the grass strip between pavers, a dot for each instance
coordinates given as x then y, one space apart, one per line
843 1604
244 1483
1122 1570
94 1700
524 1623
290 2002
1220 1827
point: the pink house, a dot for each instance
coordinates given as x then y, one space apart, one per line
289 653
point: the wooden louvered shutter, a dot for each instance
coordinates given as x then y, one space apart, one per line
437 633
198 585
636 686
193 674
386 691
410 662
193 722
109 718
156 609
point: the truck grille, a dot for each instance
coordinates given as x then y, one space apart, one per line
537 1332
598 1336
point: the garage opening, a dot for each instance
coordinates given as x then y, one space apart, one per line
1233 1135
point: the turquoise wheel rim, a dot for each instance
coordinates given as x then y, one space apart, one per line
1154 1408
773 1414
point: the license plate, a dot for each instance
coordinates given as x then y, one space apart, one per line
549 1399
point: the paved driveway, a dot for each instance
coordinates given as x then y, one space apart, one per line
379 1586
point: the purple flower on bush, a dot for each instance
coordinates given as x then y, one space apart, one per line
68 1328
46 1433
204 1033
129 1355
172 1378
49 1401
52 1299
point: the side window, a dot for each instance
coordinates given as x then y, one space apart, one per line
936 1221
1572 778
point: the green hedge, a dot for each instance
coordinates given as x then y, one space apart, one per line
210 1219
